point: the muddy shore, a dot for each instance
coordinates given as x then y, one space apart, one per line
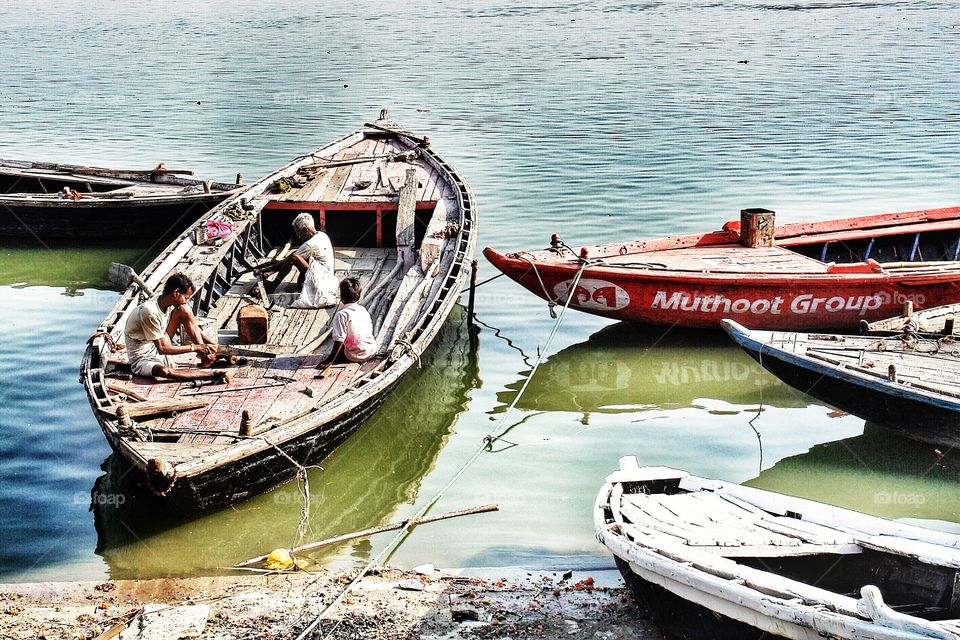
391 604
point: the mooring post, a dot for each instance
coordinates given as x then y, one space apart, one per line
474 267
948 326
757 227
908 308
239 179
246 423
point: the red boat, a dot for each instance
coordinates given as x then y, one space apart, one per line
816 275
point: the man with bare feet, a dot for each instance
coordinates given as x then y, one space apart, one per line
151 326
316 246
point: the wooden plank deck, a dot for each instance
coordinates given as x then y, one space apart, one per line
710 522
281 383
724 260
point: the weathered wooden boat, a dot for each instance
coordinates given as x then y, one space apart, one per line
940 320
815 275
363 484
401 220
712 559
99 202
907 383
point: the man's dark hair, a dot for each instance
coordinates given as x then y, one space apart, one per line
177 282
350 290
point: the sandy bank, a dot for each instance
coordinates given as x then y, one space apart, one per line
483 603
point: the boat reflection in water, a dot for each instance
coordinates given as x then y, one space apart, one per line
626 368
878 472
362 484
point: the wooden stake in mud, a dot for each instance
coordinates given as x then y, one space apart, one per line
473 291
757 227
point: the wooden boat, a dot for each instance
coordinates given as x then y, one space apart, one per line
910 384
711 559
816 275
111 203
937 320
361 485
408 233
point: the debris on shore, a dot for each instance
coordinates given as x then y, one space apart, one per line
489 603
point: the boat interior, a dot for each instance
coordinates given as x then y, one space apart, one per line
360 206
931 245
839 560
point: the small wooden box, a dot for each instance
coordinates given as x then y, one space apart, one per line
252 324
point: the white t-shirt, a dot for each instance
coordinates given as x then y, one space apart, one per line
146 324
353 327
319 248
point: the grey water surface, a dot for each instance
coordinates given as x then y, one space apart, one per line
598 121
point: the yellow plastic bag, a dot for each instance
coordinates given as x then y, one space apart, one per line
279 560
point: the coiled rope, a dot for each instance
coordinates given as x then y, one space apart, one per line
487 441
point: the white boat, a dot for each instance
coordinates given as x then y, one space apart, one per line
713 559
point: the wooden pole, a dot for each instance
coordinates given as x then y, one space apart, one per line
381 529
239 178
948 326
474 267
908 309
757 227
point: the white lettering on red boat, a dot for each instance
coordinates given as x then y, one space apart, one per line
593 294
801 304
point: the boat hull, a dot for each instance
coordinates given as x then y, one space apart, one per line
259 472
91 219
681 618
701 300
911 415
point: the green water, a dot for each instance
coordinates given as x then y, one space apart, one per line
596 121
63 264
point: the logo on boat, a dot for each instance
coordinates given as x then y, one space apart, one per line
593 294
801 304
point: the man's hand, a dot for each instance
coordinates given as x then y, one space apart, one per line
206 351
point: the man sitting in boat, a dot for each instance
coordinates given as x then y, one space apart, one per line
316 250
154 322
352 328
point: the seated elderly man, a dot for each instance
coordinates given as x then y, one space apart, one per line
151 325
316 246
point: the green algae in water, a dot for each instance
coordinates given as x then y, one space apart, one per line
66 264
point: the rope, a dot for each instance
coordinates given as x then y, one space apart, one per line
303 484
551 302
402 345
480 284
487 441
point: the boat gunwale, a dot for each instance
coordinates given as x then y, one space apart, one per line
515 266
744 338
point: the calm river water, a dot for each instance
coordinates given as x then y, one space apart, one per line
598 121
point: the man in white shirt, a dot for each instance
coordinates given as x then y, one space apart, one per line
149 328
316 246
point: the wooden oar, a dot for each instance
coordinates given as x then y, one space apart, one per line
375 530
